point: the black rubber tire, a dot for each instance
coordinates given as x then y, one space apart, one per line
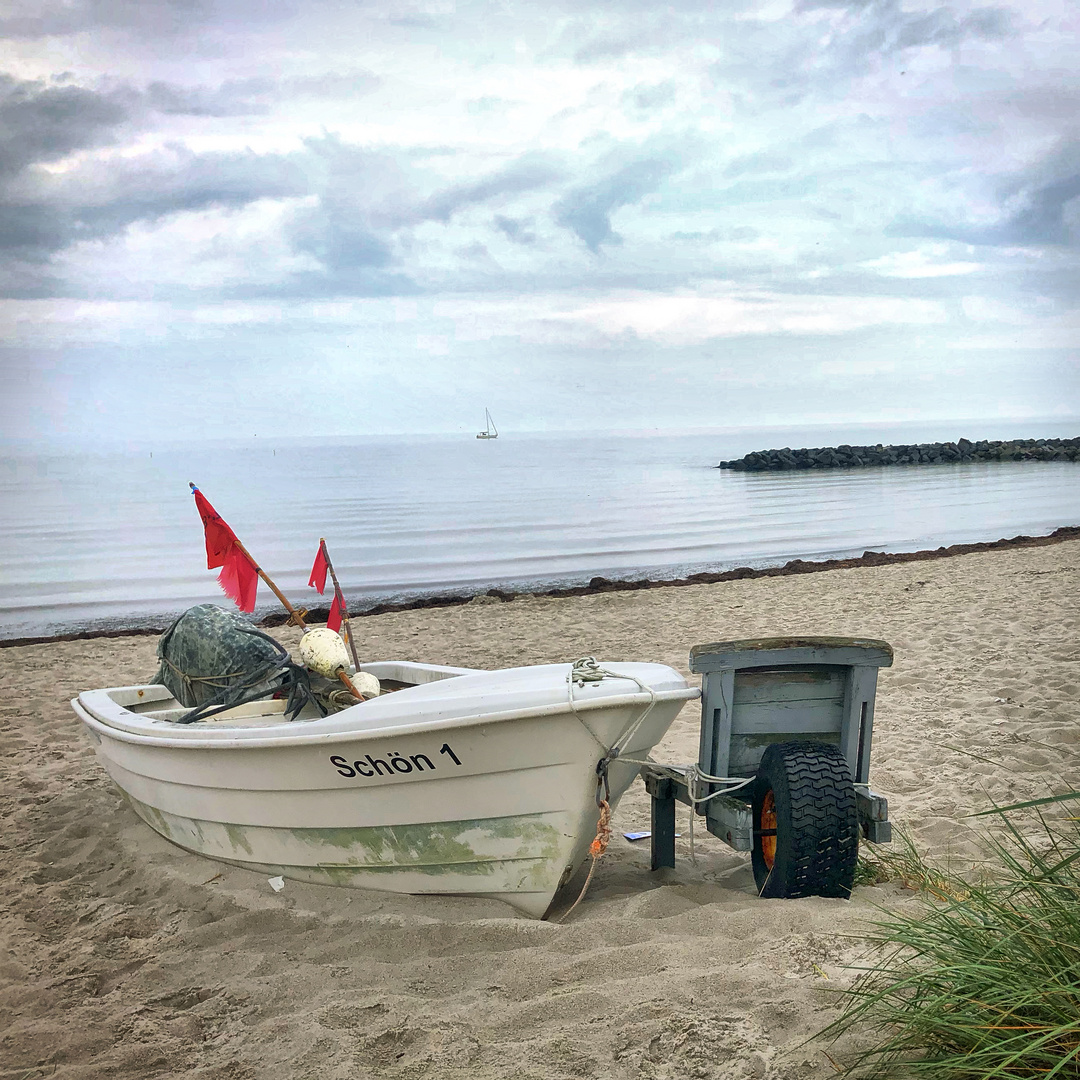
817 825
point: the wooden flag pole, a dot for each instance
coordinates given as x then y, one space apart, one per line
295 616
341 600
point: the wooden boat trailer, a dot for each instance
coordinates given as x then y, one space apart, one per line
784 760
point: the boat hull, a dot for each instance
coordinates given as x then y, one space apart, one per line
478 806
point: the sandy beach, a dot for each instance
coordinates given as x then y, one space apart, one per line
124 956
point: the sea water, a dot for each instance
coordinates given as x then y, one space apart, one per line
101 539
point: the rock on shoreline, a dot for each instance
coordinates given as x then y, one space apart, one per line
942 453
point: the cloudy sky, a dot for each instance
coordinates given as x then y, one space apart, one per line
333 217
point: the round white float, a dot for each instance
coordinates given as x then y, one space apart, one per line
324 652
367 686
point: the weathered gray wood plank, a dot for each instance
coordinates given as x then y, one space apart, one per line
767 684
793 717
745 752
766 652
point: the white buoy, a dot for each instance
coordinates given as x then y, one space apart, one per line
324 652
367 686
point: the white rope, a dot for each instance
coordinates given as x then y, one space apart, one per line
693 777
587 670
693 850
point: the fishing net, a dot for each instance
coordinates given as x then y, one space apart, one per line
212 660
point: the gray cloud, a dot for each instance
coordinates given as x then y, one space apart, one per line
371 213
42 213
142 20
893 28
161 184
364 198
1037 206
46 121
56 18
586 210
515 230
254 96
246 97
803 59
1045 214
368 200
339 236
42 121
884 28
99 201
652 96
526 174
953 119
32 232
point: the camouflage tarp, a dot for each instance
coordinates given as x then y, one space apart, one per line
212 659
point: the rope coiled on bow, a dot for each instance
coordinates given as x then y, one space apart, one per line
588 670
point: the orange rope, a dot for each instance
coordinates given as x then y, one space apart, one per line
596 850
603 831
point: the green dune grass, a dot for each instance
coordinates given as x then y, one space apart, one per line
982 980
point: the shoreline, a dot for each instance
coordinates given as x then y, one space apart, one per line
605 585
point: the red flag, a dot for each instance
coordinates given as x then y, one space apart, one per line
318 572
238 578
333 620
219 537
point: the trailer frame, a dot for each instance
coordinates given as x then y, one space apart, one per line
760 692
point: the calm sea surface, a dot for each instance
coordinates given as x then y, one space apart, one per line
94 540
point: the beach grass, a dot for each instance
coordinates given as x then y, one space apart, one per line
903 863
982 979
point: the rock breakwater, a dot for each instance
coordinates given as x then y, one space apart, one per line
942 453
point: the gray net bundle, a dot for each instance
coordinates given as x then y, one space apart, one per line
213 660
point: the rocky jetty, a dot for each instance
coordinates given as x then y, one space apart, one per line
942 453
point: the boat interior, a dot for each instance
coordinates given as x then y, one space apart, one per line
156 702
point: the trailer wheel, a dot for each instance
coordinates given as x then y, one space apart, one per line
806 829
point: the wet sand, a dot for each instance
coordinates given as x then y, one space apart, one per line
124 956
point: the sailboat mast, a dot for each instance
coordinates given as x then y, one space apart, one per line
490 431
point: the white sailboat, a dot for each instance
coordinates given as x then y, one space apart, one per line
490 431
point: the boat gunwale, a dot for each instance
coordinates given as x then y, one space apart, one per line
253 738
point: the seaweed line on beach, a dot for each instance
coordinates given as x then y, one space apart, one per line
605 585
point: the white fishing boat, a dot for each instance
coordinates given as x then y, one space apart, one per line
490 431
481 783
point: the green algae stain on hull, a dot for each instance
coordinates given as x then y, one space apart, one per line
471 846
153 817
237 837
525 852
